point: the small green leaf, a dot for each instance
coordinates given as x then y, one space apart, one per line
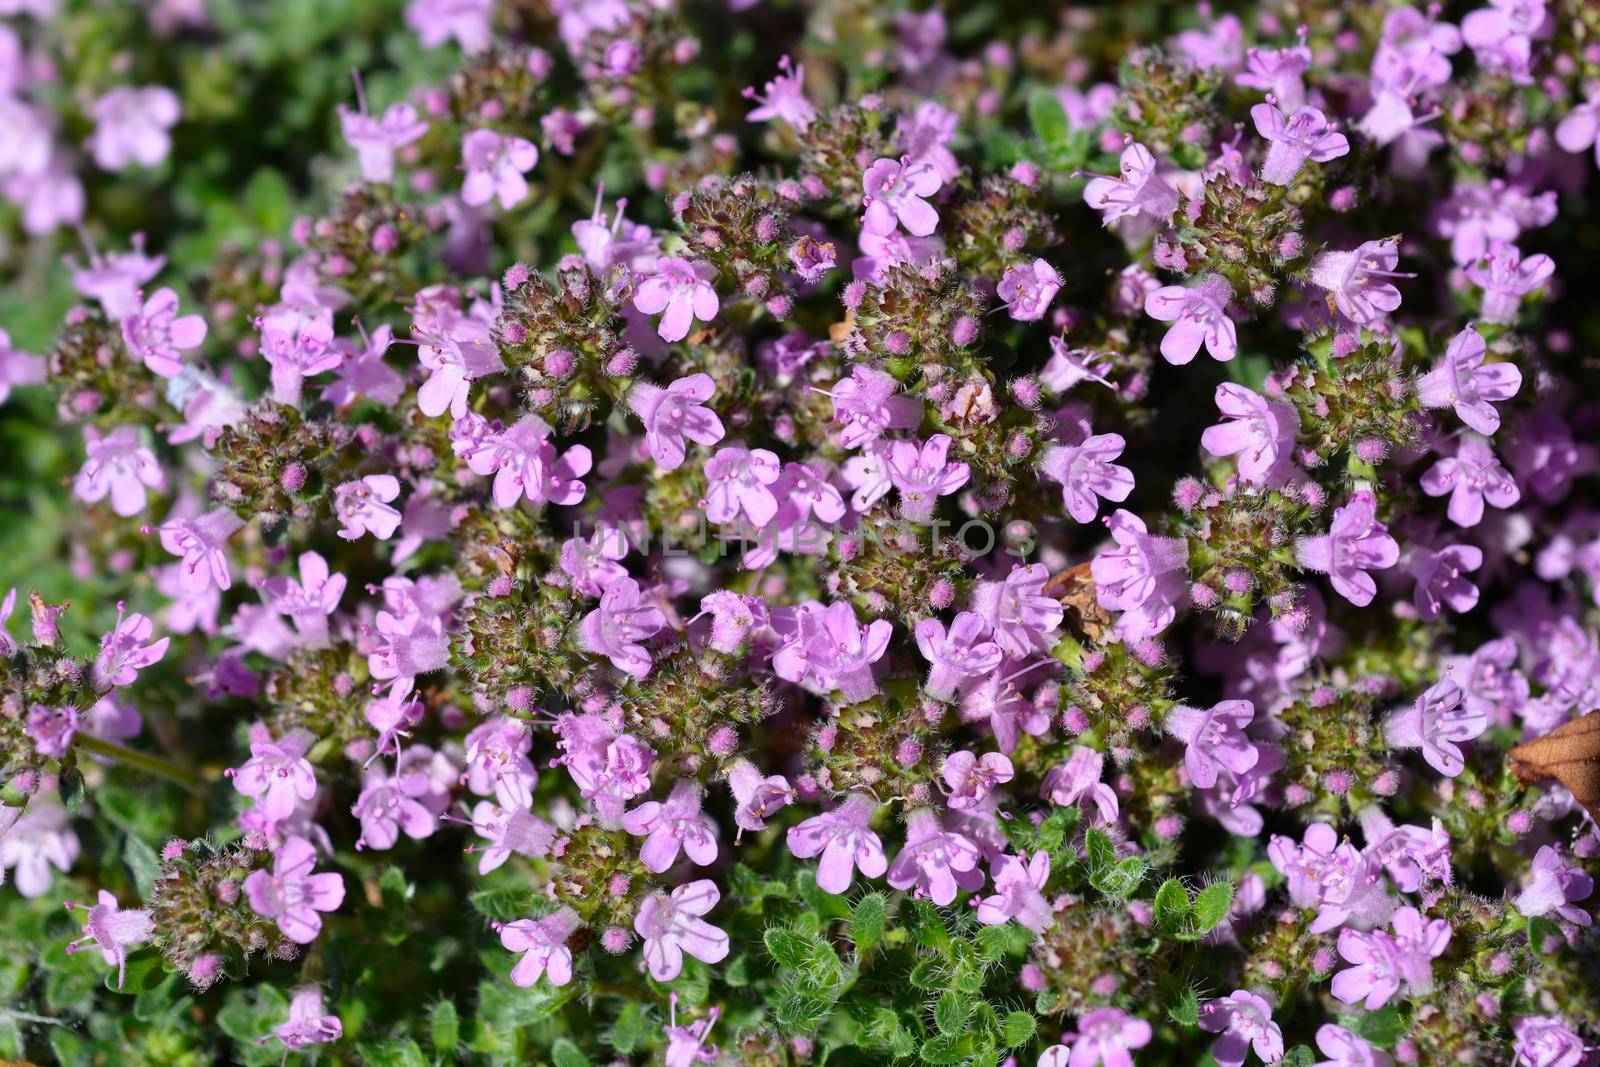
629 1029
1211 906
946 1049
1185 1011
928 974
565 1054
867 922
951 1012
142 973
1018 1029
1100 851
1299 1056
1057 827
786 947
1381 1029
395 1053
1172 907
143 864
1047 117
72 787
444 1027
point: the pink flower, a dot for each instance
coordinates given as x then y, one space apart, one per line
156 334
498 763
828 649
1139 189
1278 71
784 97
1385 962
680 289
1437 723
525 464
1346 1049
1355 543
1085 472
1245 1022
495 166
376 139
1578 129
1215 739
1358 280
120 465
362 507
1078 780
845 842
543 944
1305 134
617 628
922 475
115 279
277 775
131 127
123 653
18 368
672 925
1104 1037
1472 476
737 481
407 644
674 414
972 778
1462 381
1016 608
676 824
1441 578
934 861
1262 434
199 543
307 1025
291 895
1548 1041
592 562
1506 277
458 352
362 371
113 930
1027 291
299 351
39 839
865 405
437 21
689 1045
609 767
1552 888
1019 883
1144 577
756 798
308 602
961 654
1198 315
895 192
509 831
52 729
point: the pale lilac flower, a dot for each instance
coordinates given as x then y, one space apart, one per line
689 1045
277 775
495 166
674 414
1356 542
1345 1049
1019 883
1548 1041
437 21
8 644
18 368
199 544
678 823
1085 471
297 351
997 700
1139 188
1078 780
830 650
1144 577
307 1025
619 626
1441 578
922 475
1069 366
131 126
405 646
1358 281
1028 290
1462 381
592 562
845 842
308 602
756 798
927 133
935 862
1578 130
543 944
362 507
1501 35
1016 608
1306 134
1105 1035
1278 72
1262 433
123 652
784 97
812 258
738 481
118 463
525 465
734 618
1215 739
1384 962
1245 1022
958 655
972 778
865 405
1199 315
868 475
155 333
680 289
52 729
458 351
28 137
291 895
1477 215
672 925
376 139
1437 723
497 761
1472 476
115 279
609 767
113 930
40 838
389 805
607 241
895 192
509 831
1505 277
1553 887
362 371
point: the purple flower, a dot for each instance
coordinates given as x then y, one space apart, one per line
118 464
1306 134
922 475
592 562
1104 1037
1384 962
617 628
1477 215
277 775
18 368
865 405
1144 577
298 351
308 602
307 1025
609 767
679 289
672 925
1139 188
828 649
1245 1022
1019 883
812 258
1085 472
1027 291
1069 366
362 507
689 1045
845 842
1198 315
376 139
676 824
495 166
1472 476
1016 608
934 861
1262 434
1548 1041
156 334
1506 277
756 797
677 412
437 21
1578 130
1078 780
459 351
1215 738
972 778
895 192
388 806
291 895
199 542
131 126
1278 71
406 645
41 837
52 729
738 479
1358 281
498 763
1441 578
1437 723
784 97
123 652
1462 381
1553 886
525 464
1355 543
543 944
113 930
509 831
958 655
1345 1049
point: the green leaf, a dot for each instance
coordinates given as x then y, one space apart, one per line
143 864
143 973
1381 1029
867 922
444 1027
565 1054
1185 1011
1100 851
1299 1056
1172 907
1211 906
629 1029
951 1012
1018 1029
786 947
1057 827
393 1053
1047 117
927 974
72 787
1119 880
503 904
946 1049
